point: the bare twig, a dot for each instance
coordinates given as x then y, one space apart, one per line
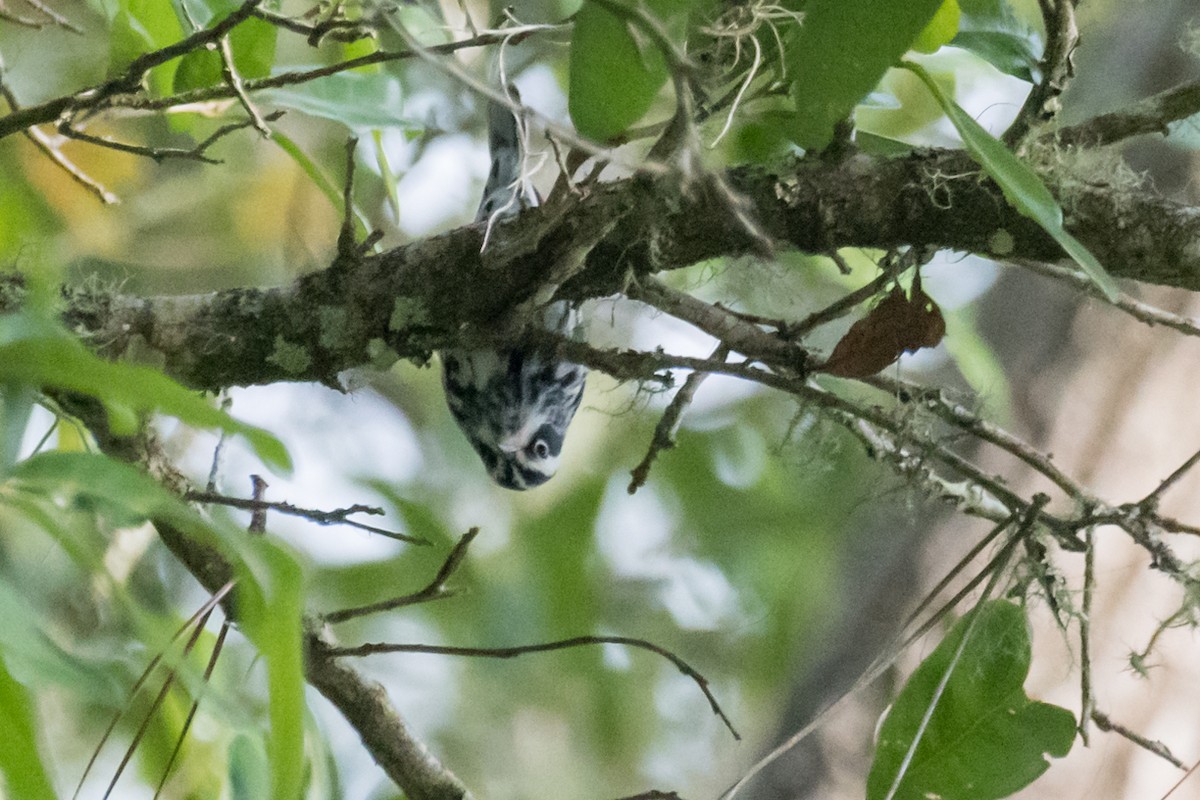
218 646
1143 312
159 154
544 647
1042 104
842 306
972 617
333 27
1150 116
53 16
258 516
732 330
451 68
668 424
339 516
935 401
1156 747
195 623
1152 499
234 79
435 590
48 147
1087 697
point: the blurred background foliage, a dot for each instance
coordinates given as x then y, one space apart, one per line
767 550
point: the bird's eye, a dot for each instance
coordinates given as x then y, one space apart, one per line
540 449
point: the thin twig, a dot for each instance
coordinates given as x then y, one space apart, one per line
940 689
1152 499
544 647
336 28
203 611
469 81
160 154
1042 103
1156 747
1143 312
435 590
258 517
668 424
234 79
842 306
884 662
1087 698
213 656
50 13
48 147
338 516
933 400
1152 115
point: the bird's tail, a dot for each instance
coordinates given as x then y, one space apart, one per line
504 192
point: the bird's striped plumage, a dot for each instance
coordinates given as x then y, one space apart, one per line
513 404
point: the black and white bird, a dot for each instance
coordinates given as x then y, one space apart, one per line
514 404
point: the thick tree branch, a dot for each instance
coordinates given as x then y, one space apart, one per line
420 297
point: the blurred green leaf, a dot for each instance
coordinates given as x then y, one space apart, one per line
332 193
359 100
881 145
16 405
269 587
249 777
842 50
985 739
1021 185
1011 53
615 68
253 46
991 30
914 109
30 654
941 28
20 764
37 353
141 26
978 363
385 172
269 598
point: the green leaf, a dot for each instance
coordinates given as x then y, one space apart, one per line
30 654
1022 187
941 28
615 70
37 353
991 30
842 50
985 739
359 100
269 596
977 361
1011 53
332 193
248 772
253 46
385 172
24 774
138 27
269 587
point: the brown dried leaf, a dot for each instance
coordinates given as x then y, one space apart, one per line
898 325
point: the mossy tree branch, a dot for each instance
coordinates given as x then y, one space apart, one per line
438 291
